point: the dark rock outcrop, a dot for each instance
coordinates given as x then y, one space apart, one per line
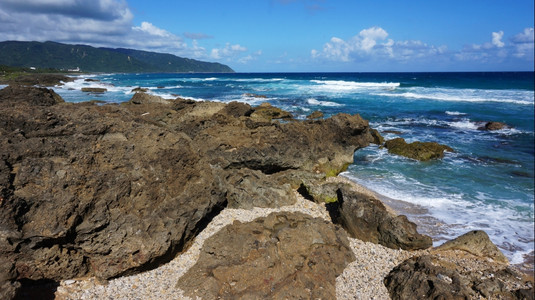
268 112
492 126
281 256
94 90
315 115
366 218
422 151
452 271
107 190
41 80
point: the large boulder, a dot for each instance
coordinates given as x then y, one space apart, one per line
476 242
15 95
266 111
468 267
422 151
366 218
281 256
492 126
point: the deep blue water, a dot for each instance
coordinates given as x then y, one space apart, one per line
488 183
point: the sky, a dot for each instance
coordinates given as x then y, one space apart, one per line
293 35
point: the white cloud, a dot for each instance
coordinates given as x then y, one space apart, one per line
250 57
227 52
523 44
372 43
497 39
152 30
370 36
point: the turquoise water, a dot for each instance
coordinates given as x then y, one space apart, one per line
487 183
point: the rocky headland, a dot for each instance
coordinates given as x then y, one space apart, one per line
94 195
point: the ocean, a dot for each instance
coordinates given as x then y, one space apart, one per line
487 183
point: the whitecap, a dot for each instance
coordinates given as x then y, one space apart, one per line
466 95
342 85
313 101
455 113
464 124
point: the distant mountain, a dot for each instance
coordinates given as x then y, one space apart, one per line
90 59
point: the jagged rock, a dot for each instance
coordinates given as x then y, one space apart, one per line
237 109
366 218
491 126
266 111
476 242
378 139
422 151
443 277
281 256
126 187
139 90
315 115
42 80
254 95
248 188
14 95
94 90
144 98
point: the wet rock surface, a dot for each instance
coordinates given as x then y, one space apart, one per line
109 190
422 151
281 256
366 218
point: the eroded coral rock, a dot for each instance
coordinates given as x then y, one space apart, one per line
281 256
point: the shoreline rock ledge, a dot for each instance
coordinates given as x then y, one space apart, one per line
111 190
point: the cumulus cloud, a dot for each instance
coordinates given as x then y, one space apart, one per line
63 20
523 43
227 52
372 43
520 46
497 39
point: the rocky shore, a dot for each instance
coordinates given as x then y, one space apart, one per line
167 199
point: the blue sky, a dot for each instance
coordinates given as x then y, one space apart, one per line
293 35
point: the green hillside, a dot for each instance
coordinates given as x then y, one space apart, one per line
90 59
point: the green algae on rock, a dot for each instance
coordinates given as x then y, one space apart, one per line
422 151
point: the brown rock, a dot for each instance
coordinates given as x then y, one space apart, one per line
448 276
42 80
422 151
126 187
315 115
282 256
366 218
139 90
476 242
14 95
144 98
491 126
254 95
266 111
94 90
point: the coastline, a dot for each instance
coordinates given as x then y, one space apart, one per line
361 279
373 261
429 225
